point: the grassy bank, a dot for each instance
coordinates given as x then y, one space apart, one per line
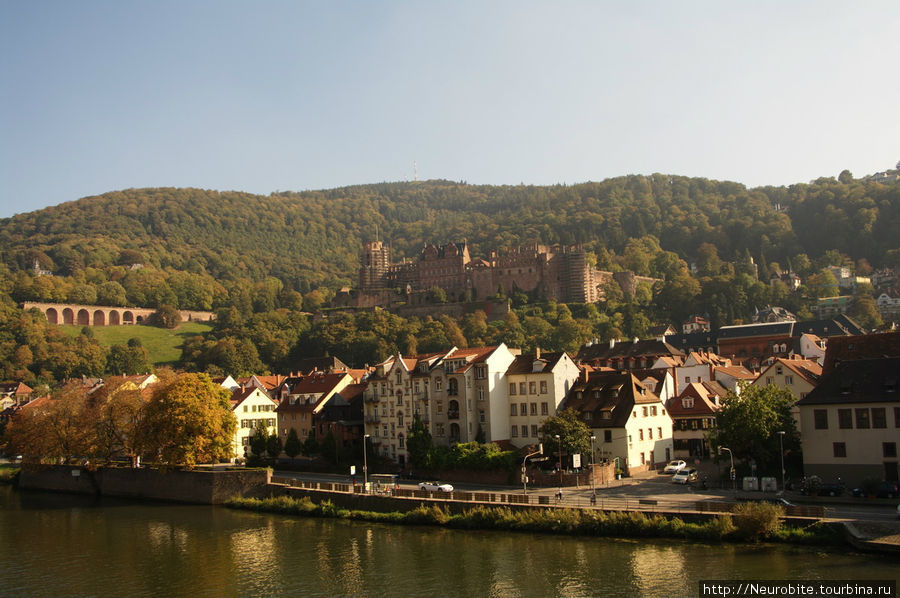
164 346
8 473
585 522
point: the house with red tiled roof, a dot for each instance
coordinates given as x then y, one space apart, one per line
455 393
253 408
18 392
799 376
301 398
631 424
730 376
693 415
536 385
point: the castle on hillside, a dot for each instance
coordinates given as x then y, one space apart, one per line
558 273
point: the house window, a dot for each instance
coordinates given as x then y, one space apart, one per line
439 429
534 431
607 435
778 370
543 387
514 431
650 433
400 440
862 418
643 459
820 416
644 411
480 372
524 431
534 409
687 402
641 435
480 394
845 419
840 449
769 379
523 408
513 410
789 380
512 389
438 383
521 388
440 406
687 379
545 409
889 449
653 410
481 416
659 432
532 388
453 387
879 418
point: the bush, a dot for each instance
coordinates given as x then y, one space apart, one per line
757 520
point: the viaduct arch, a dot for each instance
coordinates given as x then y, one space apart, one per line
102 315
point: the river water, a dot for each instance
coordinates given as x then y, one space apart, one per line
60 545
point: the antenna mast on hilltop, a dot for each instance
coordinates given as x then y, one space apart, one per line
415 171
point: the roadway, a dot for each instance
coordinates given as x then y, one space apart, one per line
641 492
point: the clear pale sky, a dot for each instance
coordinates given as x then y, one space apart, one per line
291 95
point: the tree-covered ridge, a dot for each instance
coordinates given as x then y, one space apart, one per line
312 238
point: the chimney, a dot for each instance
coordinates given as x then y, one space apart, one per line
537 352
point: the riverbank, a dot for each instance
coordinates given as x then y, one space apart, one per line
754 525
8 473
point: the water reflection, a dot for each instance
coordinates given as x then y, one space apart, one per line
123 549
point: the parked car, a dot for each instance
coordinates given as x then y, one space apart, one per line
674 466
883 490
686 476
435 487
835 489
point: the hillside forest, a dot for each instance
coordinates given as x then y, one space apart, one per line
266 263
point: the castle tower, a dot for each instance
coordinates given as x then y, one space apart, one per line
376 261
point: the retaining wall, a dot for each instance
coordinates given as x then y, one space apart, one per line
196 486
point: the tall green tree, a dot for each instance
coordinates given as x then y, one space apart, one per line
574 435
748 424
419 444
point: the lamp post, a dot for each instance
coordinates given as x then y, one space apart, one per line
781 450
730 454
365 466
559 463
593 491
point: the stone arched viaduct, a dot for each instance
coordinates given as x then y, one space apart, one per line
102 315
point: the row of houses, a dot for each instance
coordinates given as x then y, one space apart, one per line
645 402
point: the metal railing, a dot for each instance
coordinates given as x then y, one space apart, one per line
570 500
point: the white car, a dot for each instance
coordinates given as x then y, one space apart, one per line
685 476
435 487
674 466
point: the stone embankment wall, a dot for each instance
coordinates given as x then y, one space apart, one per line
199 486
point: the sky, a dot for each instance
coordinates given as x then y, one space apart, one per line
266 96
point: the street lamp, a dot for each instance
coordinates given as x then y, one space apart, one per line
365 466
730 454
559 463
781 450
593 438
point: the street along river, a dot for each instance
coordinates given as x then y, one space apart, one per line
63 545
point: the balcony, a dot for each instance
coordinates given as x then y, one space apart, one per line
371 398
453 415
373 419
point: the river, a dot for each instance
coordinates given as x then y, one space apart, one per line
60 545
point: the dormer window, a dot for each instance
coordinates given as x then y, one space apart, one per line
687 402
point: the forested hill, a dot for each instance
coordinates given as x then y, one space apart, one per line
313 238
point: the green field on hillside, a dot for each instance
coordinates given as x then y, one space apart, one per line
164 345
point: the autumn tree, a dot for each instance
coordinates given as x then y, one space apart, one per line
61 427
120 409
188 421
